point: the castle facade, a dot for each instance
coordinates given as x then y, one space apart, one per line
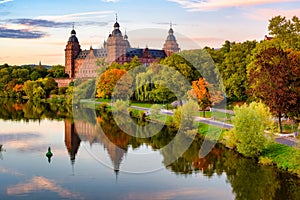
82 63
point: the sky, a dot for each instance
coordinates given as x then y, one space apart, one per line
38 30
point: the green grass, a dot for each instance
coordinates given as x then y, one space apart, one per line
219 116
284 157
143 105
204 129
148 105
103 100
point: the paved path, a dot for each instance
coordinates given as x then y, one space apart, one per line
293 142
214 122
198 119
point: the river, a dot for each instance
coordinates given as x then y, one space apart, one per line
94 159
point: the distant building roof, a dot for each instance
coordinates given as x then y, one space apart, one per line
154 53
268 38
98 53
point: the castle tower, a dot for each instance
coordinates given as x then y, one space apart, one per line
116 44
71 52
126 40
171 45
72 140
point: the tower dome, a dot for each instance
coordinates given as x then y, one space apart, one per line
116 25
73 37
116 31
171 36
171 45
73 32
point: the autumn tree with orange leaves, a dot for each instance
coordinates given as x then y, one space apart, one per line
108 81
200 92
205 94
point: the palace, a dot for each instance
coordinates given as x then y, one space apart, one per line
82 63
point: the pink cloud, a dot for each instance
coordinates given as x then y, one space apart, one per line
38 183
266 14
200 5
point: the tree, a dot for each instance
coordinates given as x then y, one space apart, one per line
233 70
57 71
179 63
286 31
108 81
35 75
250 122
276 81
201 93
49 85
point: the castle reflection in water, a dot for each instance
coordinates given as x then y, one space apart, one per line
78 131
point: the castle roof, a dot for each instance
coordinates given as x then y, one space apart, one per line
98 53
154 53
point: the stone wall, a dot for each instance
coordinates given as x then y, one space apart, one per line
64 82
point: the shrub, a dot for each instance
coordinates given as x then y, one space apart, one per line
250 122
230 139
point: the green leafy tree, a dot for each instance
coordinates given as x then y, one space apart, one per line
180 64
286 31
250 122
49 85
233 70
35 75
57 71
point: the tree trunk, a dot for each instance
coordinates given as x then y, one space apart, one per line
279 123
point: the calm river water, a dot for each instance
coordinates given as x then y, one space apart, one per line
94 159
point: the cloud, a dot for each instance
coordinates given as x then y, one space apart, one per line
91 23
20 33
77 16
266 14
39 183
37 23
182 193
209 5
17 136
10 171
5 1
23 28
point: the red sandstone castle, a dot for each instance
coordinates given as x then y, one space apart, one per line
82 63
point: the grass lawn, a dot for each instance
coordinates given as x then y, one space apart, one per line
103 100
284 157
205 129
219 116
148 105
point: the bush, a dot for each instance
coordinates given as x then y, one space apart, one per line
184 116
230 139
250 122
265 161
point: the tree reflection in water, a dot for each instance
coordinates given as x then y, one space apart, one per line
247 179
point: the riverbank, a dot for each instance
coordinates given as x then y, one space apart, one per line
283 157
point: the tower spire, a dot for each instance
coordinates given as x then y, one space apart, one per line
116 17
171 25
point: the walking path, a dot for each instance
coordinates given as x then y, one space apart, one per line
289 141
